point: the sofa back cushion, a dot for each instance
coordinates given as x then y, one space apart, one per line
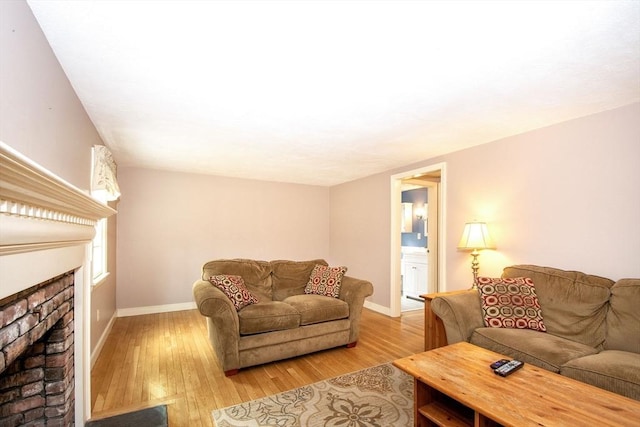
256 274
623 318
574 305
291 277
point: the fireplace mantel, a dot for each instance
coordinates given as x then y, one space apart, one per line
46 227
41 217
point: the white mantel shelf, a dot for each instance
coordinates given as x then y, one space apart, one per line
39 210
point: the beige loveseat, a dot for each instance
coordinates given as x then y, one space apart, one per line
593 327
285 322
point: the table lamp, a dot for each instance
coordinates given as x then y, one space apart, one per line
475 237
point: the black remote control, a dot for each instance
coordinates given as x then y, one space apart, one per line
509 368
498 363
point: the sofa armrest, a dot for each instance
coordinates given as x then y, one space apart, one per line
223 323
461 314
354 291
212 302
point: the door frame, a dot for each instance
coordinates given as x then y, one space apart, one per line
396 218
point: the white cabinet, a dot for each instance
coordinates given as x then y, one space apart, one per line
414 274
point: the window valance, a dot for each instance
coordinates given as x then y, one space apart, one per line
104 185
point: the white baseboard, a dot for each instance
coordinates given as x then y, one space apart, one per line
152 309
96 351
378 308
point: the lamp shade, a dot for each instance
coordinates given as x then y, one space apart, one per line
476 236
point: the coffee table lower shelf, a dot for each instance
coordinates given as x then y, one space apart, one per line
438 409
442 415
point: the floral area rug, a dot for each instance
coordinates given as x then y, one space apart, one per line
381 396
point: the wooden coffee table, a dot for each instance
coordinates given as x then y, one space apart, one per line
454 386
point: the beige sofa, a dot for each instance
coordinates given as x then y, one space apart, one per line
285 322
593 327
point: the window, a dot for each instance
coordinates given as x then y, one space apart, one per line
104 187
99 252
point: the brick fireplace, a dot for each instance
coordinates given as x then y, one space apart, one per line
36 355
46 227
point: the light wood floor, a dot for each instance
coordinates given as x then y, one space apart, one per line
167 359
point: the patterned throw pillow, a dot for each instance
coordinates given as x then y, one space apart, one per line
325 281
510 303
234 288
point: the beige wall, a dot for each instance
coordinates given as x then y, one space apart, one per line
41 114
169 224
41 117
360 231
565 196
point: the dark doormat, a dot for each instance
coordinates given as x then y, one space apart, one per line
150 417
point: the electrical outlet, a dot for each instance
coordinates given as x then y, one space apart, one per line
98 315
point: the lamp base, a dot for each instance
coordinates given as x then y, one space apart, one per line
475 266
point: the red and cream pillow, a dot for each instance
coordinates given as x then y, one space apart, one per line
234 288
325 281
510 303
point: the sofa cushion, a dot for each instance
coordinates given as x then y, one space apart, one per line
325 281
538 348
291 277
256 274
612 370
266 317
623 318
510 303
574 305
233 287
293 337
318 308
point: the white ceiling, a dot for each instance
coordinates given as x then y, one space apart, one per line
326 92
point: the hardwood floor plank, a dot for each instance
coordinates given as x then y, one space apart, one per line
167 358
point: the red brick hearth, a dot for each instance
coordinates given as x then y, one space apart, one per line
36 355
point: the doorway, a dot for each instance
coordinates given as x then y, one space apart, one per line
417 233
